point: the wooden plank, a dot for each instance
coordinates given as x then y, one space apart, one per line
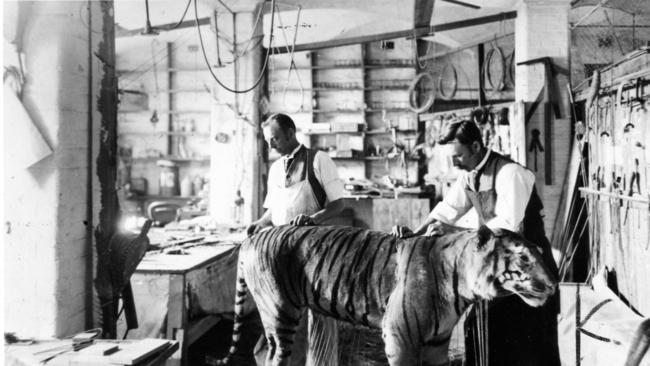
137 351
417 32
182 263
422 12
162 27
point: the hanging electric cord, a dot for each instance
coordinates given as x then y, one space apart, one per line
266 59
441 90
260 37
292 63
415 49
182 18
413 97
485 70
160 57
154 116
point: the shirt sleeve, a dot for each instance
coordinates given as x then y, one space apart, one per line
514 185
328 177
455 203
271 184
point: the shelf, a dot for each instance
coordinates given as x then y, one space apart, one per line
385 132
323 111
387 66
371 88
378 110
368 158
165 133
198 111
172 158
170 70
333 132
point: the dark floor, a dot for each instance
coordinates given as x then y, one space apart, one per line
358 346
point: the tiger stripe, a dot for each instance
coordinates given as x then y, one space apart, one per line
413 289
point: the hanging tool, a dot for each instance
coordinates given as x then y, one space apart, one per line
535 145
549 95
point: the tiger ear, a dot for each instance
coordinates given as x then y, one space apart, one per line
484 234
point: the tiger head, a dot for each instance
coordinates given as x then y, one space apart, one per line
507 263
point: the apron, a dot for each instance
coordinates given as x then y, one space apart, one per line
296 196
517 334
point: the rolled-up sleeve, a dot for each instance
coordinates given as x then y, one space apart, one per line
328 176
514 185
454 205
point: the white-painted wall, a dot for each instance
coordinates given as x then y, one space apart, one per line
46 241
542 30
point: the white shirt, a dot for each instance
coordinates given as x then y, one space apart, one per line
324 170
513 185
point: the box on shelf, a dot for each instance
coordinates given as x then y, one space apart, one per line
349 142
340 154
319 127
347 127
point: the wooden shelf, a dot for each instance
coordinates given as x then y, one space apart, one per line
385 132
165 133
378 110
323 111
172 158
198 111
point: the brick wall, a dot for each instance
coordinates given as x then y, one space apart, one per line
46 204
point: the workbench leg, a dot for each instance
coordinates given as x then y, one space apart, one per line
177 319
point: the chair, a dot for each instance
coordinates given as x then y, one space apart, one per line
162 212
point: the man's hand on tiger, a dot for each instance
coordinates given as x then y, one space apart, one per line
438 228
252 229
302 220
401 231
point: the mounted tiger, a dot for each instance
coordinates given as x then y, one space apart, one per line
413 289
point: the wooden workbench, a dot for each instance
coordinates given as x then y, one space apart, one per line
180 296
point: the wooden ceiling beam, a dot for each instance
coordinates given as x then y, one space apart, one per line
417 32
422 13
162 27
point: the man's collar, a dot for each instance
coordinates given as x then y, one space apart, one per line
293 153
482 163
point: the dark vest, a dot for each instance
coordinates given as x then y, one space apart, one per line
517 333
301 167
485 197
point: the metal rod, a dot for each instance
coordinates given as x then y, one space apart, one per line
598 6
594 192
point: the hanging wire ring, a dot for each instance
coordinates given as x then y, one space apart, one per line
444 95
486 69
413 97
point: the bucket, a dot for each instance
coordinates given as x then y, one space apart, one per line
169 184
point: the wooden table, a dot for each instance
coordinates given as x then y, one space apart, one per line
62 355
189 290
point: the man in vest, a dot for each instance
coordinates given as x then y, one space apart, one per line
303 189
504 196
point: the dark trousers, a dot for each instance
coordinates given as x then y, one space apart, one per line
517 334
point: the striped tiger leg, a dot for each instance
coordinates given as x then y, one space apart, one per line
281 326
401 343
